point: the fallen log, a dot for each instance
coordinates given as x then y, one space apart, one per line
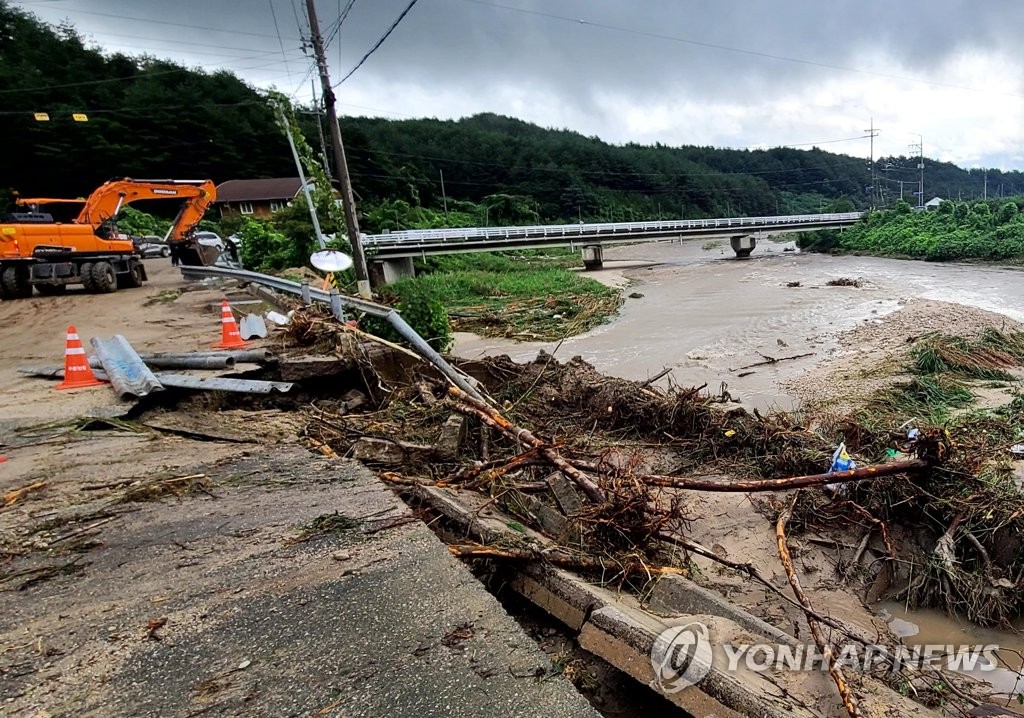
849 700
795 482
772 360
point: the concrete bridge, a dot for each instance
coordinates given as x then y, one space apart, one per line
393 252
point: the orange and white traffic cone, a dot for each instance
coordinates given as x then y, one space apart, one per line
229 336
77 373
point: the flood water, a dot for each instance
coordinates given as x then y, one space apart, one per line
928 627
706 314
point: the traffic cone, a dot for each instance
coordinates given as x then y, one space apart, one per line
77 373
229 336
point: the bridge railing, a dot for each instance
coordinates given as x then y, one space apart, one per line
465 234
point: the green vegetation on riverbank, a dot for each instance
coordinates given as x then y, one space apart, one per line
528 296
989 230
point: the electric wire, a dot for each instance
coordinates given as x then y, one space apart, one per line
379 42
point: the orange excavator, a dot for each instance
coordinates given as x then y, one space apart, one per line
37 252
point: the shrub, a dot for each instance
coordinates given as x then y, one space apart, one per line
263 248
421 308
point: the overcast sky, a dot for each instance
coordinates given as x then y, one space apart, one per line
728 73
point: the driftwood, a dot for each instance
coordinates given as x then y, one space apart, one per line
849 700
465 404
796 482
772 360
16 494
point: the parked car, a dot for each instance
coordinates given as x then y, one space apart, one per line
210 239
151 245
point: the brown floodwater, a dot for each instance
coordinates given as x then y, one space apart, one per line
706 314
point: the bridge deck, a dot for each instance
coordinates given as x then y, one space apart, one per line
412 243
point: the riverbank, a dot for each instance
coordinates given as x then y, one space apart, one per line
525 296
986 230
700 313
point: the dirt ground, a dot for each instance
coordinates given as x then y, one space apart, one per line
159 316
200 560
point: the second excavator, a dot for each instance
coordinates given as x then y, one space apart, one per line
37 252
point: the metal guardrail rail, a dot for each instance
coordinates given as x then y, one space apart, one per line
337 302
606 230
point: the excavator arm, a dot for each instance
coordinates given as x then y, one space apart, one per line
108 199
111 197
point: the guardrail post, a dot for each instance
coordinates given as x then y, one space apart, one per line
304 292
336 307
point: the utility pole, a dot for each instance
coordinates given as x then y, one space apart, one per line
444 195
347 197
302 179
919 148
872 133
985 190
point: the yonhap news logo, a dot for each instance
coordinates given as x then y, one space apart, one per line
681 657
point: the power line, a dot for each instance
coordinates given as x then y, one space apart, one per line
378 43
727 48
344 13
280 41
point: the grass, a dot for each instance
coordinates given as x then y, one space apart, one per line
986 358
928 398
529 296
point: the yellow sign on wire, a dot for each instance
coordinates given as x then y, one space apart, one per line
41 116
80 117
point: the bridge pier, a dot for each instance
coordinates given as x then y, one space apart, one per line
743 245
389 271
593 257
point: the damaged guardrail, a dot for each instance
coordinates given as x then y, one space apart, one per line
338 302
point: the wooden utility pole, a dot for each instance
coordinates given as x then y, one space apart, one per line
347 197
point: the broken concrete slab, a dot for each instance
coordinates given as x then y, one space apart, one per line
353 399
550 521
390 453
675 595
312 366
453 433
565 493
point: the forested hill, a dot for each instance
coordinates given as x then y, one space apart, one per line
152 118
569 174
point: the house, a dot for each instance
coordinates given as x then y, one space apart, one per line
256 197
933 204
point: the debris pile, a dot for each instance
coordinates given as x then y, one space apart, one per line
594 471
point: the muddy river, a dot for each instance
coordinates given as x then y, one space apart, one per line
707 315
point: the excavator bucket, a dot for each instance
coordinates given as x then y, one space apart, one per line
193 254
